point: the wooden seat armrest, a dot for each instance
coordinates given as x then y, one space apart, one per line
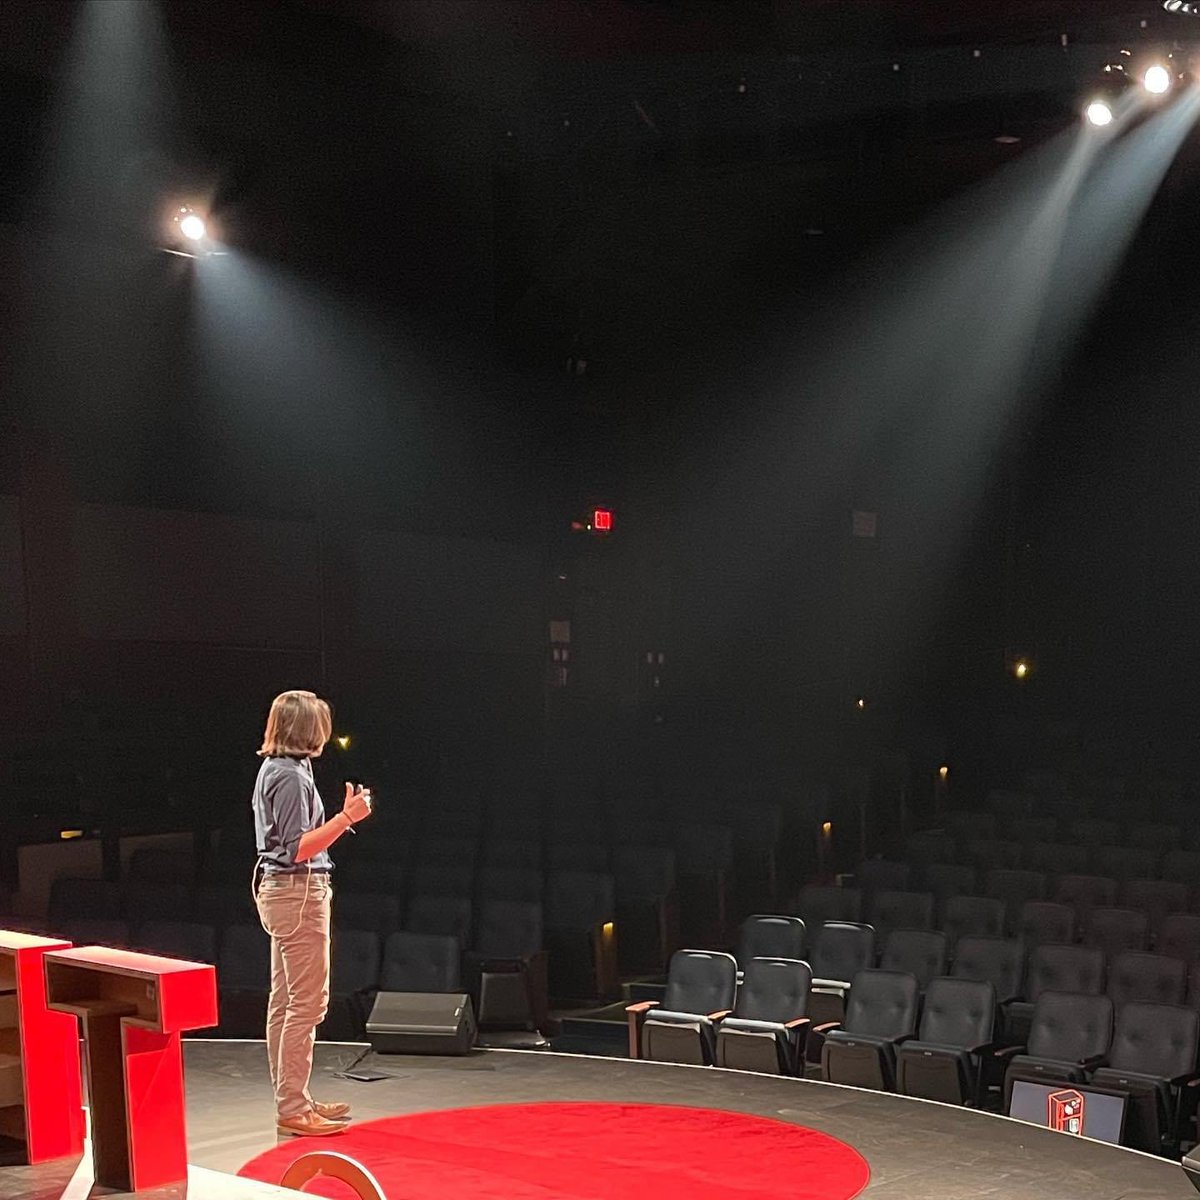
720 1014
827 1027
797 1023
1190 1079
641 1006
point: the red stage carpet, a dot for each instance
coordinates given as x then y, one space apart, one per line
585 1152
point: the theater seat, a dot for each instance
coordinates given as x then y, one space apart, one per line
944 1062
701 987
840 950
767 1030
420 962
880 1014
766 936
1068 1039
1153 1059
1076 969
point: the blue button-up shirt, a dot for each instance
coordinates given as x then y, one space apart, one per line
286 806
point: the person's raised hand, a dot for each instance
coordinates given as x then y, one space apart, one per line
357 805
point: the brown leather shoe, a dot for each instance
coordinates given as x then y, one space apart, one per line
331 1110
309 1124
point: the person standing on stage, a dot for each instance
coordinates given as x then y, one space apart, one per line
293 895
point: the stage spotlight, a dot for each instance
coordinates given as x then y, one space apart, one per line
1157 80
1099 113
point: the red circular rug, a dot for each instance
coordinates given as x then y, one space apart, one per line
585 1152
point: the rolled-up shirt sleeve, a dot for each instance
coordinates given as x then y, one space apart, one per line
285 817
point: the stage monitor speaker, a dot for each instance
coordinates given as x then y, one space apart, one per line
421 1023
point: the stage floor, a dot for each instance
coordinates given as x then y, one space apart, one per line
915 1149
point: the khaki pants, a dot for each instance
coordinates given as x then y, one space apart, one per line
295 911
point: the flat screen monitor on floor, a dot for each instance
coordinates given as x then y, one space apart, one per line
1081 1111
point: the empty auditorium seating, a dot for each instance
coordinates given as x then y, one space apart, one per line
420 962
880 875
817 905
1056 858
1085 892
1042 921
1179 936
766 936
880 1013
1135 977
998 961
701 987
1071 969
1116 929
1124 862
449 916
995 855
1152 1057
1155 897
767 1029
946 881
900 910
375 911
840 949
1014 887
917 952
963 916
945 1061
1069 1037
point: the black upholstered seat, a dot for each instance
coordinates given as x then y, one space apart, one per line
767 1029
944 1062
1153 1058
701 987
919 952
880 1014
1068 1039
1139 978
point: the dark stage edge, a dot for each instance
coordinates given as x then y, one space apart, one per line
915 1149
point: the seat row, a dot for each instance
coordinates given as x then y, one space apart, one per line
1019 971
946 1049
1051 859
1140 913
967 826
944 1040
363 962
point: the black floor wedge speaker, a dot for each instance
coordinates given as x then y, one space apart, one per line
421 1023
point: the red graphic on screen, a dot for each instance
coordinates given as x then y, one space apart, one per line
1065 1111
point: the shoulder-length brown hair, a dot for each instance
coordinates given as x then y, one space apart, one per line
299 725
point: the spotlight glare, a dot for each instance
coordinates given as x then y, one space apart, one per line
1157 80
1099 113
192 227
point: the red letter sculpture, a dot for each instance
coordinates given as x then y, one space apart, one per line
41 1098
133 1008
